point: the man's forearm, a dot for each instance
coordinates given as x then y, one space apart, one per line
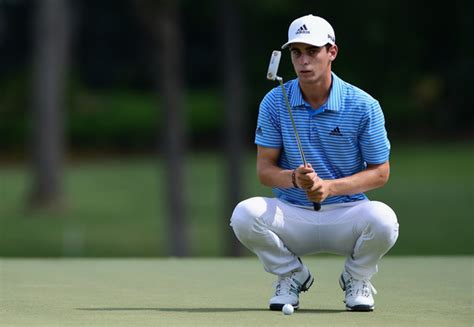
366 180
273 176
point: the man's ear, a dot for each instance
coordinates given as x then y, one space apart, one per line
333 52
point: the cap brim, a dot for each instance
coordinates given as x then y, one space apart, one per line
305 41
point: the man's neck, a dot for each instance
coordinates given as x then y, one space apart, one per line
317 93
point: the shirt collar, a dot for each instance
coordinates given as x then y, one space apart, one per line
335 95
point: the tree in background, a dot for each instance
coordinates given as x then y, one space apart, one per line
162 19
232 76
52 36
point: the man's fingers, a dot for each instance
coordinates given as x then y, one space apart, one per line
306 170
306 180
316 194
306 176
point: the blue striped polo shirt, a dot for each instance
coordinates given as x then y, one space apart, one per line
339 139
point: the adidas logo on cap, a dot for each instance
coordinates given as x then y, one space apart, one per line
302 30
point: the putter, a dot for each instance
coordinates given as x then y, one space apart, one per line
272 75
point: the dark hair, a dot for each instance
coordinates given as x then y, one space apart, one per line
327 46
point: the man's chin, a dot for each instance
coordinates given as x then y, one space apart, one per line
306 78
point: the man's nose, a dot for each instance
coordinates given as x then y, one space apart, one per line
304 59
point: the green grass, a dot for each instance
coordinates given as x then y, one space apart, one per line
412 291
118 207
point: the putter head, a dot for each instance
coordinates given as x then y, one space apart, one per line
273 66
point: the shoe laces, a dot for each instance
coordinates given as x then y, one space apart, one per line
287 285
359 287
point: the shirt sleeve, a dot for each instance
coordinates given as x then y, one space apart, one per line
268 132
373 140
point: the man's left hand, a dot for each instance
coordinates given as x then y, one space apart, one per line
319 192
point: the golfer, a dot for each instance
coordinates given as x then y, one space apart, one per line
342 131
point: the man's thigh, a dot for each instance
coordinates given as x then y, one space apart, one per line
334 229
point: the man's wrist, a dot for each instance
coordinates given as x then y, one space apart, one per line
293 178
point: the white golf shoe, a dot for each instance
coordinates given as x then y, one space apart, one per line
288 288
358 293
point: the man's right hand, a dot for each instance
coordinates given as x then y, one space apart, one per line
306 177
309 181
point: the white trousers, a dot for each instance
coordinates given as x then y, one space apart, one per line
279 233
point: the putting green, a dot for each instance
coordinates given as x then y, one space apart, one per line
413 291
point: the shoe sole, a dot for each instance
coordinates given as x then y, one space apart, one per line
306 285
360 308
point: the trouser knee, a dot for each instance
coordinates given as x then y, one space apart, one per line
383 223
244 219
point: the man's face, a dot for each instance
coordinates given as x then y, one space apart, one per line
311 62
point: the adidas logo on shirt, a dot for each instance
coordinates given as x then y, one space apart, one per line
336 132
302 30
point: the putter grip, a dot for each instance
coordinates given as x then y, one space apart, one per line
316 206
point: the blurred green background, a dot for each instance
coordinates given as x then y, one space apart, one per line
126 127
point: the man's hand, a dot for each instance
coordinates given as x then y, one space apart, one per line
316 188
305 177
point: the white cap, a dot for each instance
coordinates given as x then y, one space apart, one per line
312 30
